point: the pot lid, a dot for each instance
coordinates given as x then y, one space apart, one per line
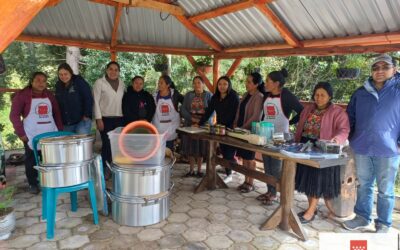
67 139
167 161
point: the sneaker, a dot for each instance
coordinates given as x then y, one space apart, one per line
381 228
357 223
228 178
34 189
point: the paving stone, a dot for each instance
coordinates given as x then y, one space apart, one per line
254 202
290 247
234 197
36 229
59 234
26 222
108 223
23 241
238 224
218 218
174 228
68 223
322 225
85 229
236 205
201 197
195 246
199 212
199 204
25 207
81 212
218 241
123 241
311 243
218 200
97 246
237 213
218 229
199 223
19 215
36 199
255 209
34 212
24 196
180 208
150 234
195 234
183 200
157 225
216 208
171 241
129 230
145 245
75 241
242 246
240 236
255 229
178 217
257 219
284 237
217 193
263 242
43 246
102 235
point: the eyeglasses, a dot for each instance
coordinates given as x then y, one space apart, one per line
384 68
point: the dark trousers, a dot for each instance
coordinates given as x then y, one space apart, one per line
31 173
228 152
110 123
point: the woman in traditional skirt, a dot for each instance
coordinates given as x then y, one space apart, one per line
194 105
321 120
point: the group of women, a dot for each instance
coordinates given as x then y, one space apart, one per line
74 105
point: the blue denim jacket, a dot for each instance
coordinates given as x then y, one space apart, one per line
375 119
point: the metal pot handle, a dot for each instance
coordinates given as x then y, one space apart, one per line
109 195
156 198
40 169
109 167
173 161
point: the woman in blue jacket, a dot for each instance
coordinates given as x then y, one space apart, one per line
75 99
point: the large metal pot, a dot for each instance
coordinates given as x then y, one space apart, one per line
64 175
141 180
139 211
66 149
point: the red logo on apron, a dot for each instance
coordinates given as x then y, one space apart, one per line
43 109
165 109
271 111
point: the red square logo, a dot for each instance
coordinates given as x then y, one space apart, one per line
164 108
43 109
358 245
271 110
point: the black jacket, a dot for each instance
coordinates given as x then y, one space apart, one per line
225 109
75 100
137 106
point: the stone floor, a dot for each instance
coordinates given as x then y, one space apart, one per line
219 219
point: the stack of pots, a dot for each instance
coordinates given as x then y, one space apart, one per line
140 193
66 160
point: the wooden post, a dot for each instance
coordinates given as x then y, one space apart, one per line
205 79
234 66
15 16
287 191
113 55
215 73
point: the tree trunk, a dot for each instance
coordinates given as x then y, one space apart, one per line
168 70
73 56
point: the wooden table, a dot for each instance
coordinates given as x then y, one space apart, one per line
284 216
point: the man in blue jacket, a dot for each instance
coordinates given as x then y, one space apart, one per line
374 114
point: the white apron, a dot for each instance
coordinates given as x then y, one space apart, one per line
273 113
166 119
40 119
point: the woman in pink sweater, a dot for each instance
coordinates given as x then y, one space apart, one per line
321 120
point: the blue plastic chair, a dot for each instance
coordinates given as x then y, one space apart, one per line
49 195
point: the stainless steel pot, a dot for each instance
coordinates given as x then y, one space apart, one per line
99 184
64 175
139 211
66 149
141 180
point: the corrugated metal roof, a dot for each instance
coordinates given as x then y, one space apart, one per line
312 19
81 19
145 26
193 7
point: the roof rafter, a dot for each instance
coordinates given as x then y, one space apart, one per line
198 32
220 11
117 19
279 25
152 4
205 78
52 3
234 66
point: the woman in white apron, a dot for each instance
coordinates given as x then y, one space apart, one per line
40 114
279 104
167 118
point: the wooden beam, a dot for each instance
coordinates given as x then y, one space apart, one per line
234 66
199 33
231 8
64 42
155 5
270 46
313 51
205 79
215 73
106 2
162 50
7 90
117 19
52 3
279 25
15 16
